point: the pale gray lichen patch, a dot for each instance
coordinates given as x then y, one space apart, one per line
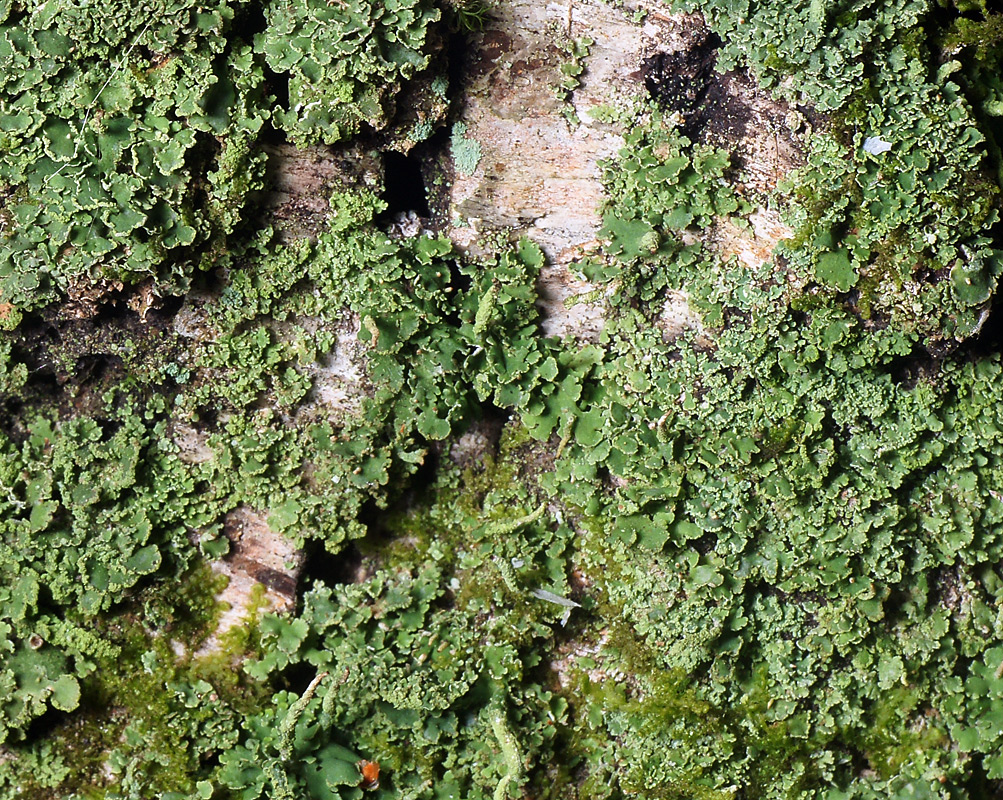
753 242
677 317
339 378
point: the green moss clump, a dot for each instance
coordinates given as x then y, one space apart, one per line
150 713
426 670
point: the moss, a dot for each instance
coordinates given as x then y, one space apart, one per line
148 716
900 730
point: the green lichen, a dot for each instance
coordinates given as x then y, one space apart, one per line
759 557
576 52
907 227
109 115
147 716
346 62
466 152
413 681
130 133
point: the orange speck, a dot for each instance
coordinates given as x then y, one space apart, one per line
370 774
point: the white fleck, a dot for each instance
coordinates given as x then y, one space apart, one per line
550 597
518 563
875 145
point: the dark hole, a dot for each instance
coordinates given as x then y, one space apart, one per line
460 54
712 105
111 310
249 20
209 762
277 84
434 156
908 369
93 367
44 602
207 149
895 606
979 784
298 677
271 137
424 476
165 310
207 418
403 184
109 429
43 382
32 347
705 544
45 725
11 409
37 332
989 339
322 567
378 535
679 80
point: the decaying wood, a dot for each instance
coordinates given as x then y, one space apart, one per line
301 182
539 172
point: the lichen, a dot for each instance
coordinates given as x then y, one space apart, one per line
466 152
131 134
757 557
345 62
